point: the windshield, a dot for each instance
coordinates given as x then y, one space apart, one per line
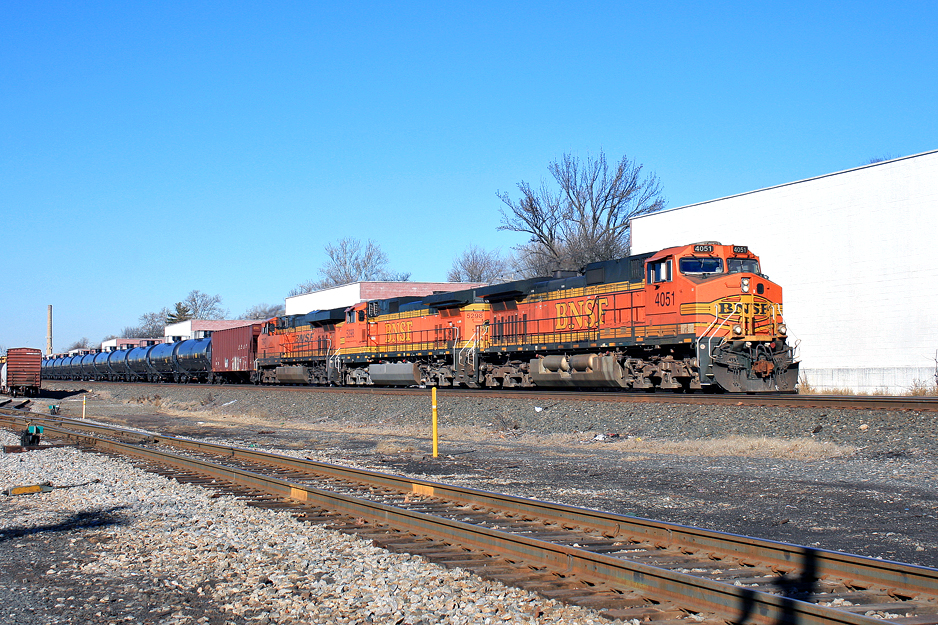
742 265
702 265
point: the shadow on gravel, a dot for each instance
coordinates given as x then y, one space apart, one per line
82 520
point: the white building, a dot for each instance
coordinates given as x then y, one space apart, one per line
855 254
114 344
351 294
200 328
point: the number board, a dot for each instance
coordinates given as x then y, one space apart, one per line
740 249
703 248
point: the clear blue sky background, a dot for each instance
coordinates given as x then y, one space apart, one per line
148 149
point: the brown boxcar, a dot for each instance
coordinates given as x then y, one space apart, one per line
20 373
233 353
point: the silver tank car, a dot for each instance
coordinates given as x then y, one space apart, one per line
117 362
86 367
137 362
193 359
99 364
162 362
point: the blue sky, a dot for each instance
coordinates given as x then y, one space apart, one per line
148 149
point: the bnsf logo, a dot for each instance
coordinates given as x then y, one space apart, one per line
754 308
399 331
581 314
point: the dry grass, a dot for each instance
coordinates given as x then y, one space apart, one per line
796 448
392 447
738 446
919 388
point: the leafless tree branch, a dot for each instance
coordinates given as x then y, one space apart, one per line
263 311
476 264
350 260
204 306
586 220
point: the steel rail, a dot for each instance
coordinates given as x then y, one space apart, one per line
738 603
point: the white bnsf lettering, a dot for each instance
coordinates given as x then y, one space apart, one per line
399 331
754 308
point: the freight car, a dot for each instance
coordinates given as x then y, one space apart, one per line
20 371
693 317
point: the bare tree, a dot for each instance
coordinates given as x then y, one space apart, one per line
476 264
586 219
263 311
204 306
152 325
350 261
82 343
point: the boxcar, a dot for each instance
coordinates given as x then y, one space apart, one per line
21 372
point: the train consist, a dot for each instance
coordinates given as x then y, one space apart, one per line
694 317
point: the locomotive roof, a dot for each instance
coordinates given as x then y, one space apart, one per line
453 298
509 290
319 317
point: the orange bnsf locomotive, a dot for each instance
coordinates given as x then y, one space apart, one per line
695 317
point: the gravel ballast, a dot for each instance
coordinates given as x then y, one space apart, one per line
853 480
115 544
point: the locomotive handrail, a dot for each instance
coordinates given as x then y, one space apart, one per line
470 345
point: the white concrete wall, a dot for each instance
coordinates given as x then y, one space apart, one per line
336 297
855 254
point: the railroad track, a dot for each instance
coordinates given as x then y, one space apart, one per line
790 400
624 566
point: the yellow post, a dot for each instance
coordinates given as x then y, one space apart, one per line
82 406
435 437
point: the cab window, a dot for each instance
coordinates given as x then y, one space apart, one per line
659 271
742 265
701 265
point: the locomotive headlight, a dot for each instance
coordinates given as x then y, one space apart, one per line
744 285
782 329
737 330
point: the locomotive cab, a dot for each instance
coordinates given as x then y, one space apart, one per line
716 298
